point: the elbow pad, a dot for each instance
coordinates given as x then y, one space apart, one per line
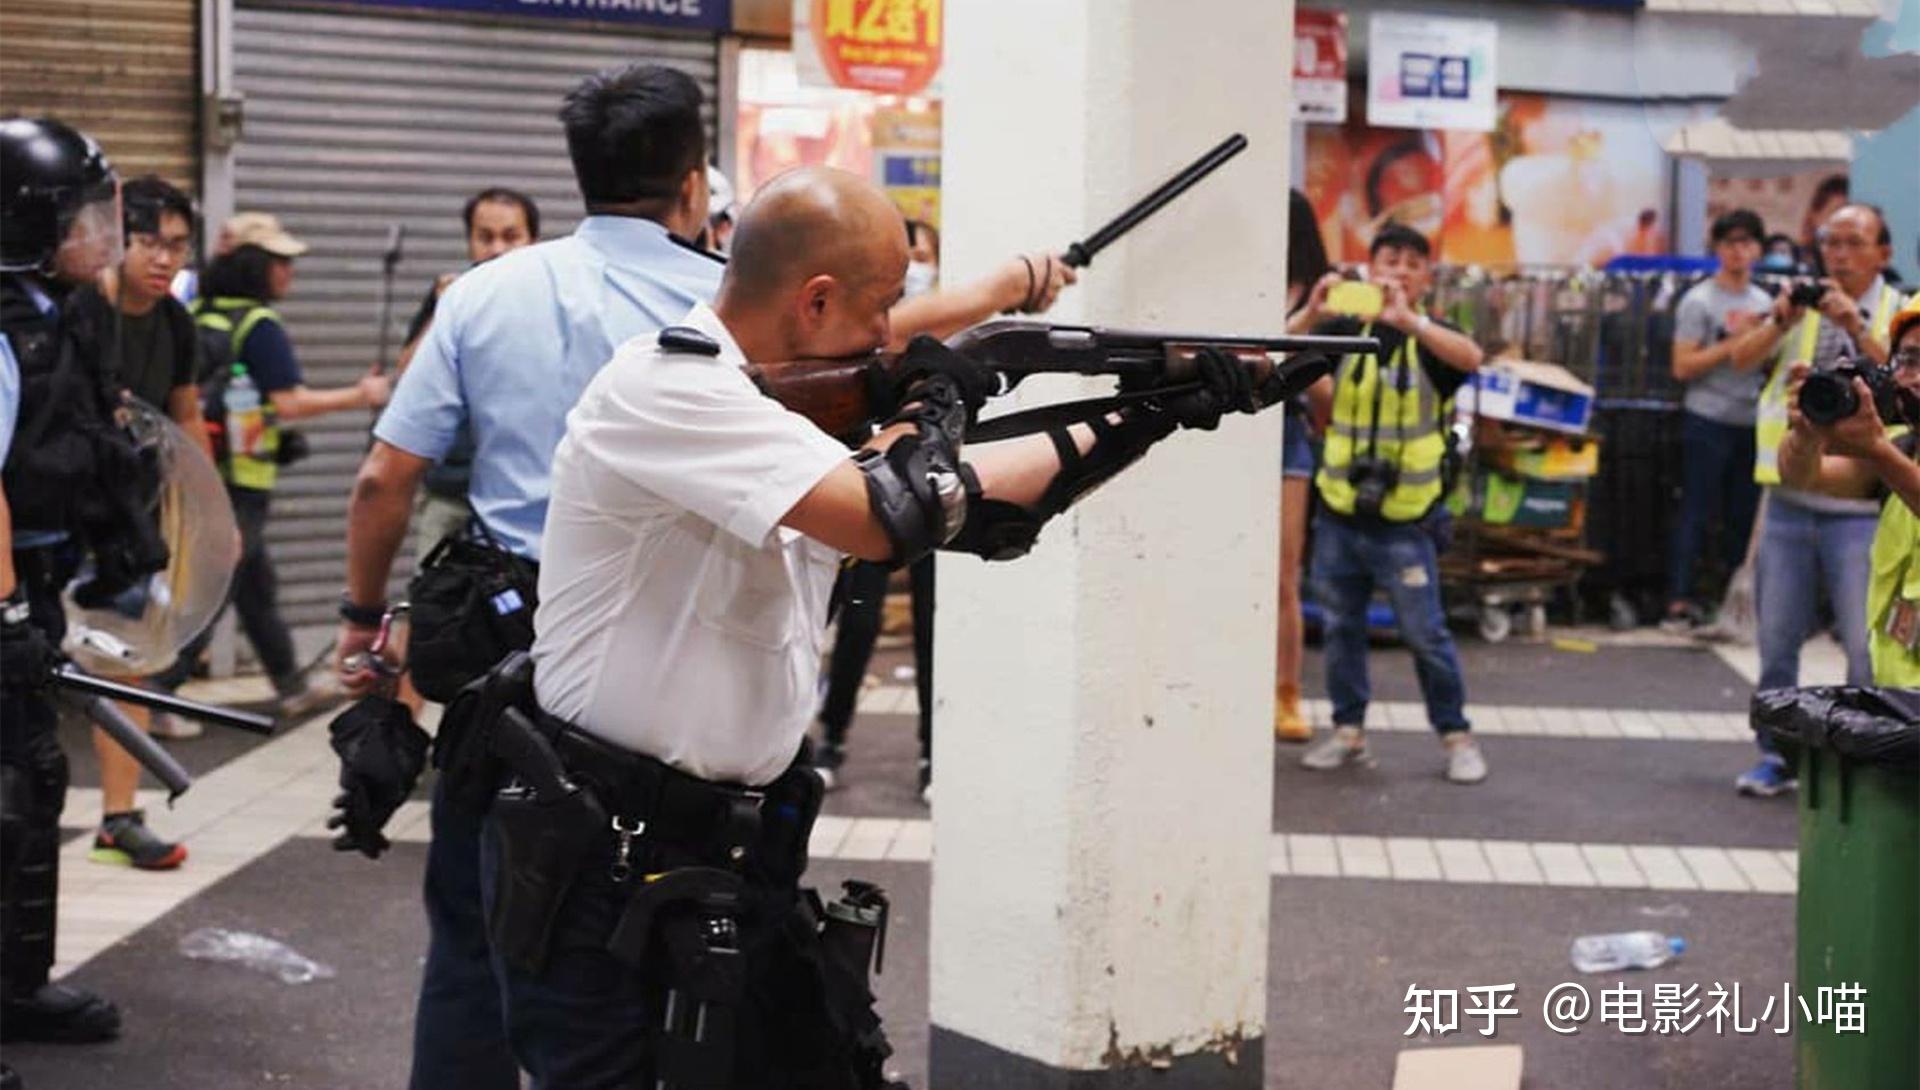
918 489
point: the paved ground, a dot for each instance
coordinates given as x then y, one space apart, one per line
1610 808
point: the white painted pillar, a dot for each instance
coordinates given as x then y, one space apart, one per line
1104 746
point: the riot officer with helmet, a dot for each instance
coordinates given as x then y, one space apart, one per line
68 495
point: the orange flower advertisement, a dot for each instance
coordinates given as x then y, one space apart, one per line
1557 182
891 47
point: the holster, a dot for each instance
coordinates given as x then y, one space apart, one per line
463 750
546 826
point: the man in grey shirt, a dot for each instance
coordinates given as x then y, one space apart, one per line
1714 318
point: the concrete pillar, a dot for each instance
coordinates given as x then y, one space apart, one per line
1104 755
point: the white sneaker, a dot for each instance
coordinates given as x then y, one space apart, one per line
172 728
1347 746
1465 762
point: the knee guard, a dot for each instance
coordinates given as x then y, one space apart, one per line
996 530
33 787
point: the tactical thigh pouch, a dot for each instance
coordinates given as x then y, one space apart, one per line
472 604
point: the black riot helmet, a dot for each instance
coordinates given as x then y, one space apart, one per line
56 190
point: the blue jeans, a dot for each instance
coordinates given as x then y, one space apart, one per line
1352 560
1803 552
459 1030
1716 462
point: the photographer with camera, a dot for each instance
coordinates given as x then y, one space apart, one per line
1381 483
1856 431
1819 536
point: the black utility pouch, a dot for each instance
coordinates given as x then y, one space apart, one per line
472 604
540 847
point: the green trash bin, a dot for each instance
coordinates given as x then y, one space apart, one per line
1858 754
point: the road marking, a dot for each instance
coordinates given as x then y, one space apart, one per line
1515 720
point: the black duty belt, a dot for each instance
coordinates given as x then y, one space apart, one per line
677 807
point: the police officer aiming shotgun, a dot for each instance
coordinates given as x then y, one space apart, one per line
649 802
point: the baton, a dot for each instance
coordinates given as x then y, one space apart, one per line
71 677
136 742
1080 254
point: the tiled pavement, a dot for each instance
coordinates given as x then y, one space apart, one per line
268 805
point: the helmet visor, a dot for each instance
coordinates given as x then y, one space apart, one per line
93 241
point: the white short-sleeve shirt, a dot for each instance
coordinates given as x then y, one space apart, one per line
677 617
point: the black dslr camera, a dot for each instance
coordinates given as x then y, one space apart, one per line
1806 293
1828 397
1372 479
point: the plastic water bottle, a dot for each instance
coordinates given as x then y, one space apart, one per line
245 421
1626 950
256 952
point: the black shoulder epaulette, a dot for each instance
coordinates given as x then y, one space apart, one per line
720 259
680 338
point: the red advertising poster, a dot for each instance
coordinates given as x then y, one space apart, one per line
890 47
1319 65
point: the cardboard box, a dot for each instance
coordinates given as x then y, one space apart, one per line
1538 395
1498 499
1557 458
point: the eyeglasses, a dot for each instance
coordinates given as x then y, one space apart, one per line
1829 243
1907 359
172 247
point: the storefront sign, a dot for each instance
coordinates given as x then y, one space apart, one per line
1429 72
1319 65
681 14
886 46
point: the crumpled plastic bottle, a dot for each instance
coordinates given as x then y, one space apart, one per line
255 952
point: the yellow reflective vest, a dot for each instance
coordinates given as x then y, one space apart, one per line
1895 580
1400 421
1770 419
258 465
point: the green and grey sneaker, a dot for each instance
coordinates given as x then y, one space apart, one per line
125 841
1348 746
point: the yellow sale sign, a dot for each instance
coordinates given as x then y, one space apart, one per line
886 46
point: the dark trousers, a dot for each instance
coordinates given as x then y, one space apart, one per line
1716 482
459 1031
864 594
33 791
255 596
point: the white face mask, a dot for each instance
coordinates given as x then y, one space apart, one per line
920 277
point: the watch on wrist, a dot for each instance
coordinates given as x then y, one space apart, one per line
362 616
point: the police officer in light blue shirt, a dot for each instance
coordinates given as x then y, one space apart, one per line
513 344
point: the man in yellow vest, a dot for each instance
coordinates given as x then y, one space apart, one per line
1819 537
1861 450
1381 487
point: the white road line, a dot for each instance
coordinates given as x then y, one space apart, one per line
1515 720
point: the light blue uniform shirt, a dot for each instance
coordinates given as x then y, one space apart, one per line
516 340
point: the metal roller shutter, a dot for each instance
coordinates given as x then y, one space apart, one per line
355 122
124 71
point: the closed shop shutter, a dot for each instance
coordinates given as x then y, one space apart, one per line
126 72
355 122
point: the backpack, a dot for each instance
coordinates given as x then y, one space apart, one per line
223 326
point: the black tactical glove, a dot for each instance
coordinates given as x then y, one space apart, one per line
1225 385
381 755
926 361
27 658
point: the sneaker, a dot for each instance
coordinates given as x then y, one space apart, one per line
1766 779
125 841
1465 762
926 782
173 728
301 703
1348 746
827 759
59 1014
1680 620
10 1079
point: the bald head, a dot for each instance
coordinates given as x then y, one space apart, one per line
816 221
1854 246
819 255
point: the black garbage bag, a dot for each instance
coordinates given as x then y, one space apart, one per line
1880 727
